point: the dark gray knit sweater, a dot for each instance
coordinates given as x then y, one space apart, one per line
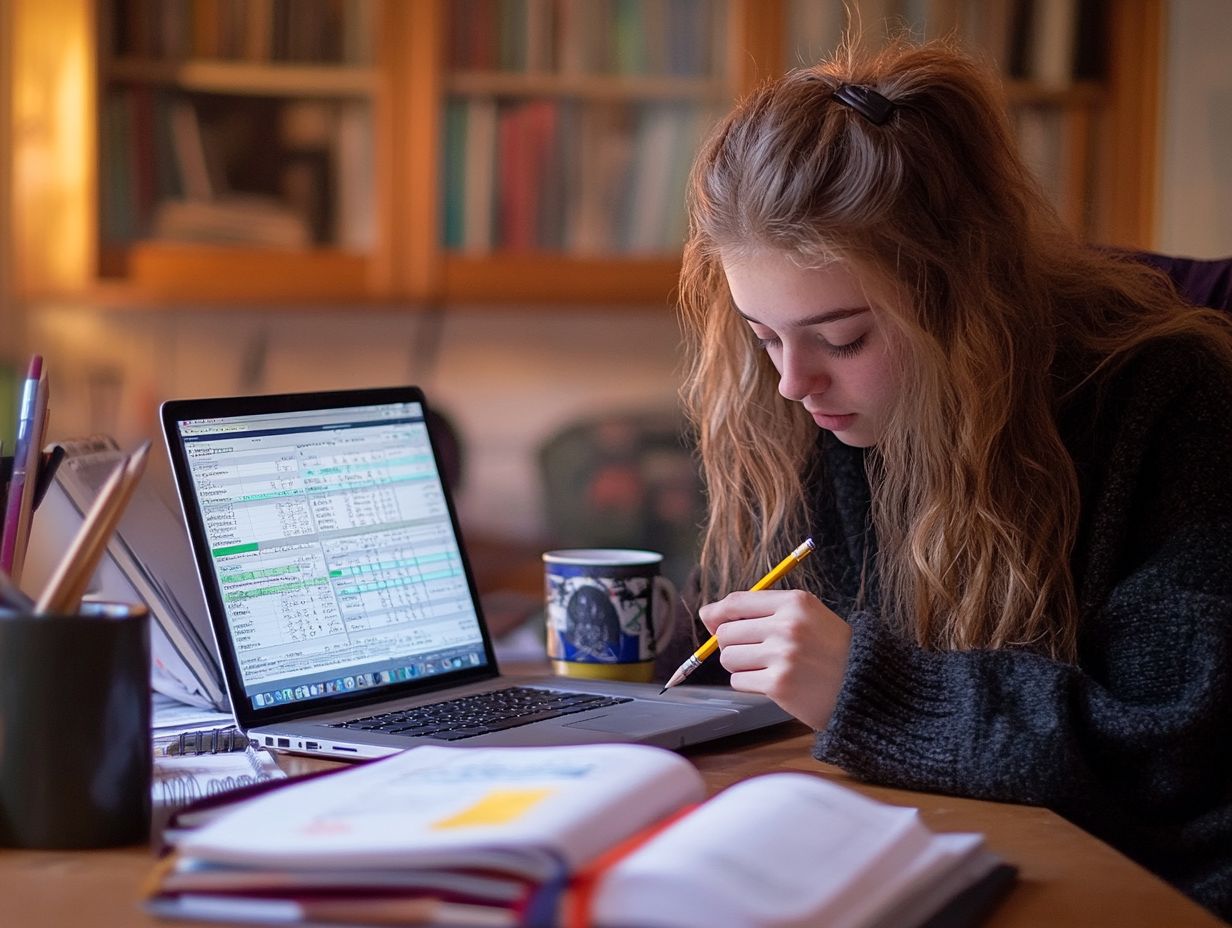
1134 742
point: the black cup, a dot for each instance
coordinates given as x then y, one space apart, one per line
75 755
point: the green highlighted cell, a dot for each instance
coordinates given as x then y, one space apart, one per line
238 595
401 581
235 549
261 574
392 565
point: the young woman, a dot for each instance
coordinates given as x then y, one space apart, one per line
1013 452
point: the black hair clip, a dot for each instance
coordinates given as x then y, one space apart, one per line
865 101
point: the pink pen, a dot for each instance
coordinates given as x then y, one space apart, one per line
31 424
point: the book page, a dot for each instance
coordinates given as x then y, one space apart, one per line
520 810
780 849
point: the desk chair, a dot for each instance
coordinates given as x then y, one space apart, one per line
1202 282
624 479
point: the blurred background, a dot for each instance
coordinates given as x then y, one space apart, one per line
484 197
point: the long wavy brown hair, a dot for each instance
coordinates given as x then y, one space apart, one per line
983 290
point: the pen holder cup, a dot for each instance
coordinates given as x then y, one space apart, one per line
75 746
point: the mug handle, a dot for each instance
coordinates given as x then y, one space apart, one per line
665 591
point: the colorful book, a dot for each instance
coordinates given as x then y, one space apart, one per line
454 178
600 834
478 195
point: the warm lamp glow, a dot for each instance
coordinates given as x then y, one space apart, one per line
53 150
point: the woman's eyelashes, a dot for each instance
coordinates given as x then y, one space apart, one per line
768 342
845 350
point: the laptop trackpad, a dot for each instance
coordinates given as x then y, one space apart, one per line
645 720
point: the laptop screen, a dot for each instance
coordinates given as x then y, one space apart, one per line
333 549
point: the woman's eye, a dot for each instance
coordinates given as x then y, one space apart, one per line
849 349
837 351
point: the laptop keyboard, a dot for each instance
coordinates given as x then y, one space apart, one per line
469 716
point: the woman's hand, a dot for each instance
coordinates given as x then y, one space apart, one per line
784 644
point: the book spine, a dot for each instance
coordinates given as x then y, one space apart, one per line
1055 28
118 221
453 229
629 38
653 165
355 203
544 163
539 36
480 179
143 162
259 29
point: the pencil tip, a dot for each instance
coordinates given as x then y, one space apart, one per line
664 690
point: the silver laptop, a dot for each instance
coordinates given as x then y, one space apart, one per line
342 604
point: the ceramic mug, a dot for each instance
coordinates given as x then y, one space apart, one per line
608 610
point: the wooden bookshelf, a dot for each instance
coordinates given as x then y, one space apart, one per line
399 95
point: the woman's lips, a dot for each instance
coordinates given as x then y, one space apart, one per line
834 423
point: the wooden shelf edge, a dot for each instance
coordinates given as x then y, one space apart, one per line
247 77
160 276
192 273
122 297
532 278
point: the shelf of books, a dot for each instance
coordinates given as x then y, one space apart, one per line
568 133
567 138
1052 54
480 151
236 148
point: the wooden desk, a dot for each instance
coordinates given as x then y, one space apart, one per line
1067 878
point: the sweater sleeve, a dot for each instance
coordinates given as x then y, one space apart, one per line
1131 741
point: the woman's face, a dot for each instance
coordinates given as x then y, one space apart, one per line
825 339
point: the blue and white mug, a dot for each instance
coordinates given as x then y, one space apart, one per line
608 611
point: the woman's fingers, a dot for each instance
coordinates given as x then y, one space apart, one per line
784 644
746 631
716 615
739 606
754 681
740 658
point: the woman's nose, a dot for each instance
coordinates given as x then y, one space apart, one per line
801 375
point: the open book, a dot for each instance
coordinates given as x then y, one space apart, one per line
607 835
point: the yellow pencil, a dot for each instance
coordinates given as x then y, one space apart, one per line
712 643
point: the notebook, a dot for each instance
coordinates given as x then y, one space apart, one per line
341 601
